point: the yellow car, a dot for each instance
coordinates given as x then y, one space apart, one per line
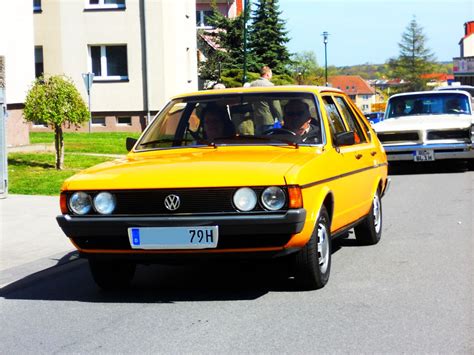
233 173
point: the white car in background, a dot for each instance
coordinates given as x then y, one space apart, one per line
427 126
468 88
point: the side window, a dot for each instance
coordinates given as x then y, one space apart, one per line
351 120
335 120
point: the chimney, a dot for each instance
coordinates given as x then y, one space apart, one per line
468 28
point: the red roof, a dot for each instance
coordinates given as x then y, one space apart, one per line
351 84
438 76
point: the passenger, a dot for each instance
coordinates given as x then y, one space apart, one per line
453 106
399 109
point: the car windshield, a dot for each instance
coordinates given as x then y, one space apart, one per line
431 104
230 119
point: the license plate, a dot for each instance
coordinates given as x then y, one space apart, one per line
424 155
173 237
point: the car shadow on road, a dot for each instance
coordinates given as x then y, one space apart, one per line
437 167
154 283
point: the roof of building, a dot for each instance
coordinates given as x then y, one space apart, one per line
438 76
351 84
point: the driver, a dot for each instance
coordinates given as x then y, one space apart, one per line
298 120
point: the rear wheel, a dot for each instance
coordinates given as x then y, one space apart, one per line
369 231
312 264
112 275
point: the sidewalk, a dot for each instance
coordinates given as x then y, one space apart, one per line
30 238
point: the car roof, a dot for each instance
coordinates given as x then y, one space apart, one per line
262 89
432 92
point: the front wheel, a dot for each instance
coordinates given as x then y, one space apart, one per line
369 231
112 275
312 264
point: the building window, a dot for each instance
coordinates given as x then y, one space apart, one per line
39 64
202 18
105 4
36 5
108 62
98 121
124 121
39 124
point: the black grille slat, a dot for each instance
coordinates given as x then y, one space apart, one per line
451 134
398 137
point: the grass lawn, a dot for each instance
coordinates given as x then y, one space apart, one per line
34 173
101 143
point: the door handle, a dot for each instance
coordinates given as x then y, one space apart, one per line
358 156
373 153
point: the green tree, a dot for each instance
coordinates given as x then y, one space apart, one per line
305 70
414 59
55 101
268 38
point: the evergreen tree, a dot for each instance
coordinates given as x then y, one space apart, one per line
414 59
267 38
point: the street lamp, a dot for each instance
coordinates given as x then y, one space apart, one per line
247 4
88 79
325 37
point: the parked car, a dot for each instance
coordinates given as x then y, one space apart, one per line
375 117
190 190
428 126
468 88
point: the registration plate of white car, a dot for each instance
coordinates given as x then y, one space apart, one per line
424 155
173 237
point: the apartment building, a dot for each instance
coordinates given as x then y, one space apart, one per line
357 88
17 69
141 53
463 66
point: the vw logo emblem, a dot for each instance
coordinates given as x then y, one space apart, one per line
172 202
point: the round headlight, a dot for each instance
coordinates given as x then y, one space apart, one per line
104 203
245 199
80 203
273 198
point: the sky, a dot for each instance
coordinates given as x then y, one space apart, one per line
368 31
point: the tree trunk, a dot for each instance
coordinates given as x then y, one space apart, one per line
59 145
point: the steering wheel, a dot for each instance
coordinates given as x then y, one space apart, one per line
273 131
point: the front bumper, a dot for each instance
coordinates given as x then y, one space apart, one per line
406 152
110 233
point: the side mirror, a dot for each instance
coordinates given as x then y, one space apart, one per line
345 138
130 142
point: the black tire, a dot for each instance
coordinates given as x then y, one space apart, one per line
369 231
112 275
312 264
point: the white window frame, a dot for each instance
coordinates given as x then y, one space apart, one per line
201 20
95 124
124 124
103 63
103 5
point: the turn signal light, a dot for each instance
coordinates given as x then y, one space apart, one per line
295 197
63 203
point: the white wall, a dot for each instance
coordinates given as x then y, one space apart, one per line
17 45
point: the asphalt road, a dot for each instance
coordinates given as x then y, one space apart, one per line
411 293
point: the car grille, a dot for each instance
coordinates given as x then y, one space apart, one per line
398 137
225 242
452 134
202 201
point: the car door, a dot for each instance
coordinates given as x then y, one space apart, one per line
364 152
343 168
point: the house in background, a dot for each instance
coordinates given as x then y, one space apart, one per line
141 53
438 79
16 48
357 88
463 66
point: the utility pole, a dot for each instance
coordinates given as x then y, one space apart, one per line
325 37
88 80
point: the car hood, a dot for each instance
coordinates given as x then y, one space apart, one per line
422 122
197 167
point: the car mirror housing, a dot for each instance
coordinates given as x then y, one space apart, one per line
345 138
129 143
